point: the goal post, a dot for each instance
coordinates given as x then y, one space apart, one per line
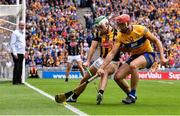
7 10
10 15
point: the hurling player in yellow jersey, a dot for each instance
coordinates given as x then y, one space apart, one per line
104 39
136 39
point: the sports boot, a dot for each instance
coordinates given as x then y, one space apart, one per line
99 98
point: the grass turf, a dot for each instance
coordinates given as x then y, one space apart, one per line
154 98
21 100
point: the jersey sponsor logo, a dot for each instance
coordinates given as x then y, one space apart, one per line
134 44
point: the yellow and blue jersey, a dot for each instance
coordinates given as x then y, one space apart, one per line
136 41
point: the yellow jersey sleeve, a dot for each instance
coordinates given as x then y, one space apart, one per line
141 30
147 33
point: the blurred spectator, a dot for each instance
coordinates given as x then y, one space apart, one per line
6 2
161 17
88 20
74 50
49 24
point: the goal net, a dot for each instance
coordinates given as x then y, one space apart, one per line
10 15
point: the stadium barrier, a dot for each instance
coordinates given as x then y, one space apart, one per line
56 72
143 75
160 75
61 74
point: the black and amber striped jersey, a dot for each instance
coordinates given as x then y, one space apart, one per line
106 42
73 48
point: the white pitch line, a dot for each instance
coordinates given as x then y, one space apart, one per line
164 82
68 106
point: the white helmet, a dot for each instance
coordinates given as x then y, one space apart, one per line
101 24
101 20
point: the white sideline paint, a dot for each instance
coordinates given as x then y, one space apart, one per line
73 109
164 82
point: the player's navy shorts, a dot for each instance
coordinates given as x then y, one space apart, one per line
149 56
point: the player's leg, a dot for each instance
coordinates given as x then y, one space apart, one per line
120 76
81 68
68 68
111 68
102 86
137 63
143 61
93 69
69 65
74 97
80 65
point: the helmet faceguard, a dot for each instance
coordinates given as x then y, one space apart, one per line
101 23
122 23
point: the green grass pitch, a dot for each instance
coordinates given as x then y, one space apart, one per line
154 98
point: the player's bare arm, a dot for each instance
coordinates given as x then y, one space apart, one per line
158 43
108 59
91 52
81 49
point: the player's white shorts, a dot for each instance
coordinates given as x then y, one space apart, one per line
100 61
71 59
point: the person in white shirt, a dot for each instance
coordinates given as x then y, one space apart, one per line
17 51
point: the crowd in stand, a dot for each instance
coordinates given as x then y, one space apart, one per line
48 23
160 16
7 2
